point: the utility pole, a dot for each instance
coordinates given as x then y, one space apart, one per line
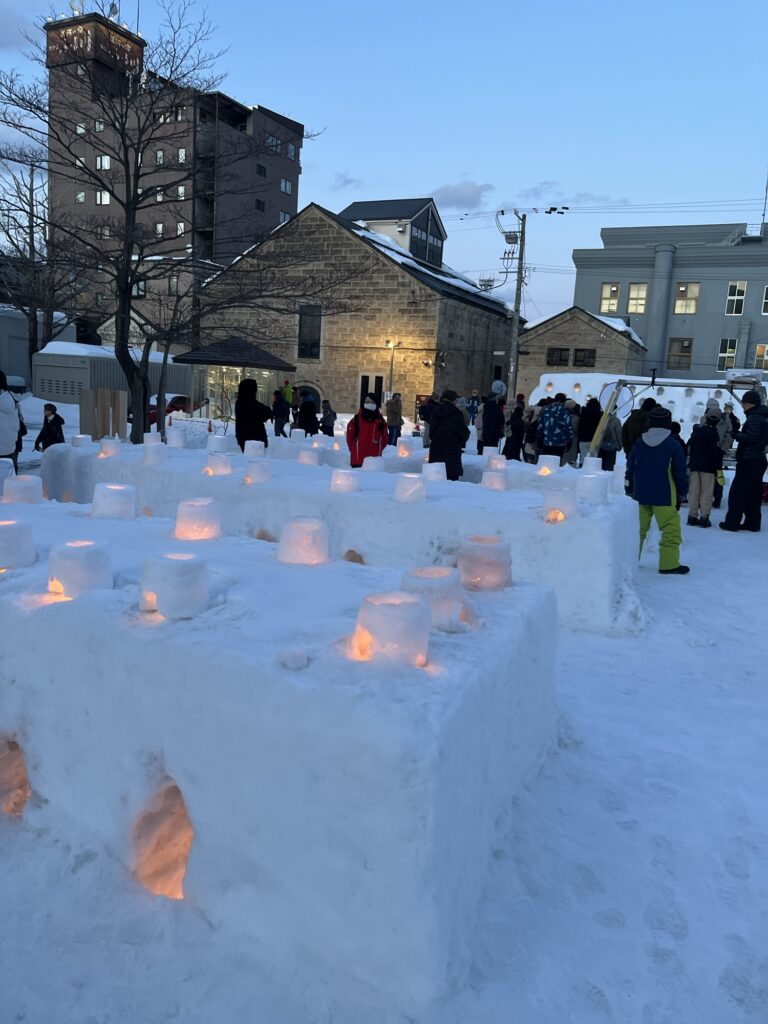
515 343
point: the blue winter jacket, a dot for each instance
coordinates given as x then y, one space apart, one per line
555 426
656 470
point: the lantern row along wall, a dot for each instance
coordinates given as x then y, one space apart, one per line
324 805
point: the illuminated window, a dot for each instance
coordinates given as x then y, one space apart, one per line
686 297
726 359
761 357
734 304
679 355
80 128
609 297
139 289
638 293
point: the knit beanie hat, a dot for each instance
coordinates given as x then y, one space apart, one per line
660 417
751 398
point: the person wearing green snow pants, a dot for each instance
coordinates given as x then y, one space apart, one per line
657 478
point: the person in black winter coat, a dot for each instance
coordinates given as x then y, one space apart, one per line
52 432
705 460
251 416
281 413
516 428
449 434
307 419
493 422
746 494
590 416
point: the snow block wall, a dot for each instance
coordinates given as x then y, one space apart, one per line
336 813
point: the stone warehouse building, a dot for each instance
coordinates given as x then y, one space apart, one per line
577 340
380 318
697 294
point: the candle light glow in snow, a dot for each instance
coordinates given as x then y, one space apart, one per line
410 488
309 457
175 585
441 588
393 627
217 443
484 563
343 481
114 501
14 782
162 838
558 505
404 448
109 446
257 473
548 464
197 519
218 464
16 548
497 462
494 481
434 471
23 490
77 567
303 541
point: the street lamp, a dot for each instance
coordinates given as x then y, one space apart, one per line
393 346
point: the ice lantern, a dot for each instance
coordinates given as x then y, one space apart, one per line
81 440
592 464
217 443
218 464
197 519
6 469
174 438
16 548
484 563
309 457
152 438
109 446
547 465
175 585
303 541
497 462
593 488
494 481
410 488
154 453
114 501
257 473
254 450
344 481
558 505
442 589
78 567
404 448
392 626
23 490
434 471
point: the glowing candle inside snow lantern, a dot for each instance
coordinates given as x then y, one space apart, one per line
197 519
344 481
109 446
78 567
309 457
23 490
81 440
114 501
16 548
434 471
336 446
494 481
218 464
154 454
393 627
484 563
410 488
175 585
497 463
558 505
404 448
303 541
442 589
258 473
548 464
593 488
254 449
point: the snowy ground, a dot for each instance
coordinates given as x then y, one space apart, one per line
631 886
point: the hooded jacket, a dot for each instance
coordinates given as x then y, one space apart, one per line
367 435
635 426
448 434
307 418
555 426
704 452
724 427
394 412
493 422
753 438
656 471
52 432
9 424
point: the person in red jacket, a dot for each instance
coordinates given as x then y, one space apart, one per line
367 432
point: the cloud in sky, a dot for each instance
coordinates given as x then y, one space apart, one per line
549 191
463 195
343 179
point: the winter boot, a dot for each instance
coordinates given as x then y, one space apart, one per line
695 521
679 570
704 521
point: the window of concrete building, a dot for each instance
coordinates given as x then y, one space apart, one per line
81 70
139 289
686 297
79 197
286 185
159 196
180 228
765 301
79 161
99 298
181 192
260 205
638 293
98 125
173 284
273 143
761 357
284 217
261 170
558 356
434 250
679 354
290 151
726 359
103 162
182 155
159 229
310 330
159 157
105 231
609 297
584 356
102 198
734 304
80 128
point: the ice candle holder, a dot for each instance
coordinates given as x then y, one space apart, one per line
494 481
434 471
441 588
344 481
392 627
175 585
197 519
484 563
152 437
6 469
114 501
217 443
254 450
81 440
175 438
410 488
303 541
372 463
593 487
23 490
17 550
558 505
109 446
309 457
548 464
154 453
257 473
78 567
404 448
592 464
496 462
217 464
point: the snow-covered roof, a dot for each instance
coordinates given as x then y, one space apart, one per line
74 348
614 322
7 308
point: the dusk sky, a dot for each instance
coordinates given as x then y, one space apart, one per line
595 105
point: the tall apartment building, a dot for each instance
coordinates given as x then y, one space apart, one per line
696 294
219 174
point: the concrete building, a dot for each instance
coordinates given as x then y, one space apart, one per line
410 325
217 174
574 341
14 348
696 294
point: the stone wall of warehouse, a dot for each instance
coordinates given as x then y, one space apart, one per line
469 337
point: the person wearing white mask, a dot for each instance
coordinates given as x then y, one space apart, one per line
367 432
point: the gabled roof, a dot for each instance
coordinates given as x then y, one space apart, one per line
615 323
235 352
385 209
